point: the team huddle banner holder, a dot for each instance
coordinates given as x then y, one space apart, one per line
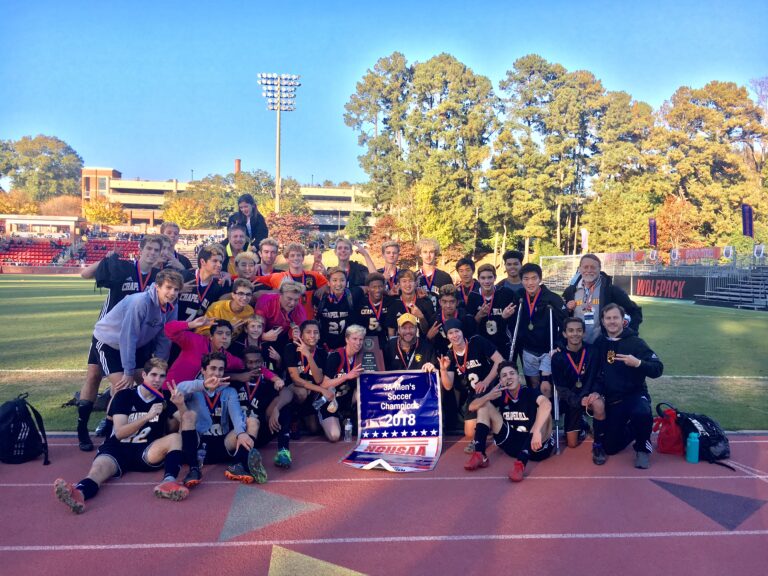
400 422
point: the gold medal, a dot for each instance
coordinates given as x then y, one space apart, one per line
530 326
611 357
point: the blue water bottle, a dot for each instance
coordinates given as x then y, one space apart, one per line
692 448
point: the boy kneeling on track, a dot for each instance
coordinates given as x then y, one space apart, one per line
140 440
220 425
520 419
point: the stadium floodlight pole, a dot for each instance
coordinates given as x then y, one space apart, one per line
280 92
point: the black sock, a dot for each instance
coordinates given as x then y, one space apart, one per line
481 437
599 430
88 487
84 409
242 454
523 456
173 463
189 441
284 436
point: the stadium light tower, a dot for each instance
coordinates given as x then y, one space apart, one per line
280 92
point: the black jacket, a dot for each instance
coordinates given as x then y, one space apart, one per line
258 226
610 294
616 380
536 339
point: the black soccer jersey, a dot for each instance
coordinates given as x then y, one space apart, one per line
122 278
494 326
519 412
195 303
575 370
135 407
356 275
255 397
440 341
398 307
475 363
293 359
334 314
469 300
337 364
372 317
213 405
432 284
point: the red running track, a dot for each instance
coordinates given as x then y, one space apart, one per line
568 517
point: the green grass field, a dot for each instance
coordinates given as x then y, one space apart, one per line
48 321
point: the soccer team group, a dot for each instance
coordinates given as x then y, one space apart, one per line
207 365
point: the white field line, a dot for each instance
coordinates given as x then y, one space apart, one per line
384 540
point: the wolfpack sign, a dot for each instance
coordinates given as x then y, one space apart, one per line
399 415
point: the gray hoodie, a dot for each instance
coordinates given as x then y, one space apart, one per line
136 321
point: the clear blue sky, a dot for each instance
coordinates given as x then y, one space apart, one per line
157 89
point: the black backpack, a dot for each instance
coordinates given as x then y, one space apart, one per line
22 433
713 443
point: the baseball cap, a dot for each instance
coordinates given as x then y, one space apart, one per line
407 317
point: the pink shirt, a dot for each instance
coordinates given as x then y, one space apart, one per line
193 348
268 306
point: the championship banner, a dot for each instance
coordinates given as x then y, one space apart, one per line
400 422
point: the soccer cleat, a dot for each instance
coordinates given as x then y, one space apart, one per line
193 477
69 495
283 458
516 474
469 448
238 473
642 460
171 490
599 456
84 441
256 466
101 428
477 460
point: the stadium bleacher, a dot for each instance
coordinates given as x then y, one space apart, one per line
29 252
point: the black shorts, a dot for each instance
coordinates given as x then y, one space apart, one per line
108 358
215 450
514 443
570 404
128 457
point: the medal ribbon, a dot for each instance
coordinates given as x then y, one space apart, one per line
212 402
410 358
251 388
198 285
428 280
531 305
336 299
578 368
465 295
376 311
143 279
493 295
349 366
392 280
588 294
461 368
155 392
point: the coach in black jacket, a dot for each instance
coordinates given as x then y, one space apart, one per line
625 362
591 291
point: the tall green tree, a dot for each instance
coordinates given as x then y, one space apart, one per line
41 167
